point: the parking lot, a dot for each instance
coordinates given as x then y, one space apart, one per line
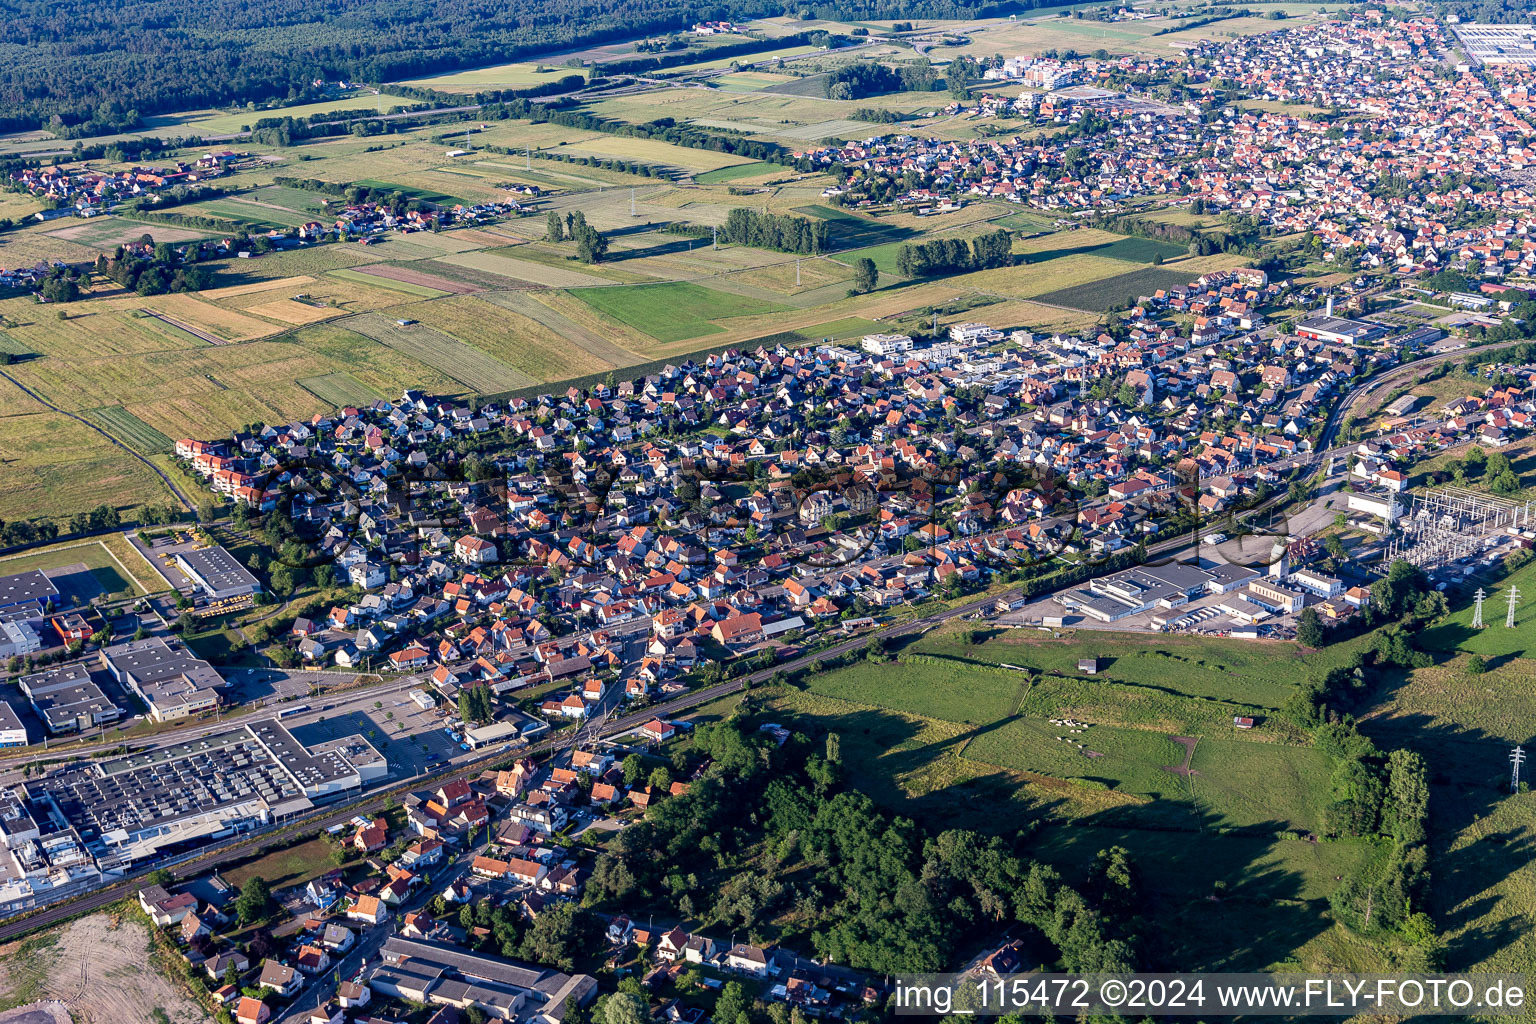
411 740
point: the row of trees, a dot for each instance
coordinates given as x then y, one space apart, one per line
1372 793
955 255
779 232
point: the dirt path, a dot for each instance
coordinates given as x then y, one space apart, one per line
1188 743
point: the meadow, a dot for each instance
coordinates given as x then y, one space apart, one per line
671 312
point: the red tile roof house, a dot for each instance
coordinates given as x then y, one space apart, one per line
368 908
657 730
372 837
252 1011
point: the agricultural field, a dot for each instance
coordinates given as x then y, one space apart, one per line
473 369
523 343
340 389
502 76
373 278
56 466
1100 295
671 312
125 426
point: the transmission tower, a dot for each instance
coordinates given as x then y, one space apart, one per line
1477 608
1516 759
1514 597
632 202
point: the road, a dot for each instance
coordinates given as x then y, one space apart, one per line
614 726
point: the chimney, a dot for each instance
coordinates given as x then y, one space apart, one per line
1329 310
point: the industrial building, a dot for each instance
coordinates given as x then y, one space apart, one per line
217 574
129 809
27 588
171 681
440 974
1143 588
12 732
68 700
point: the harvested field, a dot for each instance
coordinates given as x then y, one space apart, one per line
410 275
520 342
198 316
464 363
109 232
420 291
589 341
277 284
290 312
522 270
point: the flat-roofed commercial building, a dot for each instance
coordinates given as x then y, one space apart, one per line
171 681
68 700
24 588
12 732
217 574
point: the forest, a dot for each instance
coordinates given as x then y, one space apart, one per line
84 69
771 834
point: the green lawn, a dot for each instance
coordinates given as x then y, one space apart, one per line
1259 674
951 692
672 312
1494 640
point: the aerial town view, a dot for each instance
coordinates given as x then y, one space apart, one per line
559 512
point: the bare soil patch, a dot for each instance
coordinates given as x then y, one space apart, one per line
1188 743
100 967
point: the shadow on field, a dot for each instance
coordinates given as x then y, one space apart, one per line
1469 777
1210 897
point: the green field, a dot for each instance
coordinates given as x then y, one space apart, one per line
128 428
426 195
728 174
1101 296
672 312
969 694
1494 640
111 560
854 232
340 389
1141 250
1248 673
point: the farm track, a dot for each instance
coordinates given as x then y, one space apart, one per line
185 502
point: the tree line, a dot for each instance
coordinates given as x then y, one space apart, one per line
79 67
779 232
856 81
956 255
